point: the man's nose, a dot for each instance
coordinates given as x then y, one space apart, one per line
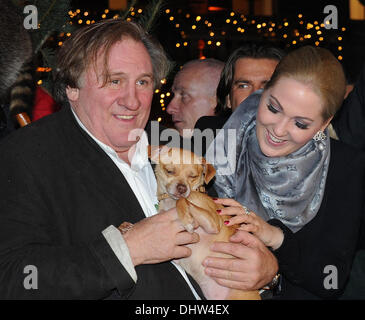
173 106
129 97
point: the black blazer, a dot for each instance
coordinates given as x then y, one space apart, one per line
7 125
214 123
211 122
59 190
331 238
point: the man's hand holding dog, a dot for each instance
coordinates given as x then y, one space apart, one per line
159 238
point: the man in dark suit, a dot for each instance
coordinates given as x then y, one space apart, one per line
69 179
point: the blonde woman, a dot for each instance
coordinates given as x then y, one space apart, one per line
298 191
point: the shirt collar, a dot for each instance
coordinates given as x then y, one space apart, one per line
140 157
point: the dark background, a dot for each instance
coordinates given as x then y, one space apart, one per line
352 44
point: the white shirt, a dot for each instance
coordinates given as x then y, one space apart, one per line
141 179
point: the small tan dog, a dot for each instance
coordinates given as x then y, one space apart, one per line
180 178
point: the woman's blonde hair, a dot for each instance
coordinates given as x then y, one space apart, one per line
318 68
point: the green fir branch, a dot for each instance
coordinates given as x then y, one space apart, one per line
151 12
125 14
48 11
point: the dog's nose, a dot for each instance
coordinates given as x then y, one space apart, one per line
181 188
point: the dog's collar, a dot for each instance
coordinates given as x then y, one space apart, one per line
201 189
163 196
166 195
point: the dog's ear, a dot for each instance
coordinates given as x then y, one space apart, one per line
209 171
155 151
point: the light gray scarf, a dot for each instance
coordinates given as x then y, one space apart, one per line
287 188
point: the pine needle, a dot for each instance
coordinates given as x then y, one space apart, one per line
151 12
126 13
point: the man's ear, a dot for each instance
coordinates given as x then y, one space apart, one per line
72 93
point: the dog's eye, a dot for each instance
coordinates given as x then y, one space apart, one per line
170 171
193 177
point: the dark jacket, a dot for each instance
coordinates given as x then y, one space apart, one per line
59 191
349 122
6 124
330 239
211 122
215 123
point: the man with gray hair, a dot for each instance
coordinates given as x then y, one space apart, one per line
194 91
69 181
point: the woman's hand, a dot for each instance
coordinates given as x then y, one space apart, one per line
271 236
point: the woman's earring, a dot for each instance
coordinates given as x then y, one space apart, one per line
319 137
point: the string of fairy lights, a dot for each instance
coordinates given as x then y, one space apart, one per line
301 32
208 33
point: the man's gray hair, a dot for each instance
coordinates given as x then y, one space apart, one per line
209 63
91 43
